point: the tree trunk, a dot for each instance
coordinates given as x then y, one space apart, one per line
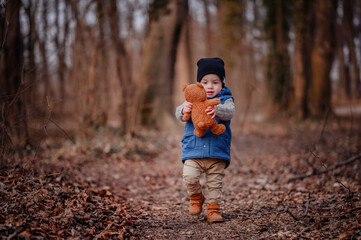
302 21
13 119
231 20
61 49
157 72
350 35
187 43
278 62
102 73
322 58
344 81
235 51
208 29
42 40
85 64
123 67
30 67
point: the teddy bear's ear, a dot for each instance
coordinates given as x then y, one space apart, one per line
184 87
199 85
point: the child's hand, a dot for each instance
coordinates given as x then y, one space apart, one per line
211 110
187 107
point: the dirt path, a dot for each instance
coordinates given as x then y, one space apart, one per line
111 187
258 200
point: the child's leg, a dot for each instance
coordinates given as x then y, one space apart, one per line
191 176
214 177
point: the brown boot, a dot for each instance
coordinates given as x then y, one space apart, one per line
196 201
213 213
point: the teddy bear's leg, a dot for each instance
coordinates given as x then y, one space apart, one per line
199 132
217 128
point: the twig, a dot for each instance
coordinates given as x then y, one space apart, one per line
45 126
48 119
65 133
304 215
319 172
324 124
52 121
337 180
18 92
304 230
291 214
314 170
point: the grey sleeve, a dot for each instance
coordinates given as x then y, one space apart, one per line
178 112
226 110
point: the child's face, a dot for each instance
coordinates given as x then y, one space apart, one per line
212 84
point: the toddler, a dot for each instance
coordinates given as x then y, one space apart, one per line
209 154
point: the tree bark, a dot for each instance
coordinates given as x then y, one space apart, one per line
122 65
157 72
302 77
350 36
85 64
61 49
103 63
45 77
322 58
30 66
278 61
13 119
344 81
208 32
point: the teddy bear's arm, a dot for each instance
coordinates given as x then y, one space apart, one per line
213 102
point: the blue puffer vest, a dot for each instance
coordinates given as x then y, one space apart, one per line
210 145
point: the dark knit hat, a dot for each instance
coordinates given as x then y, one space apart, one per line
211 65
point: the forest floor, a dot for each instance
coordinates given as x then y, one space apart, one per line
118 188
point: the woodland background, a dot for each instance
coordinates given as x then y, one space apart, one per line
91 64
89 143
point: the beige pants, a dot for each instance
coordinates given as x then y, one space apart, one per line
214 171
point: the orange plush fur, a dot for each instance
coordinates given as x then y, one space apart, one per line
196 94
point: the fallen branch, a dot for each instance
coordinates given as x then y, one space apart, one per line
337 180
319 172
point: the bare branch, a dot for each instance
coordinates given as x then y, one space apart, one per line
319 172
324 123
65 133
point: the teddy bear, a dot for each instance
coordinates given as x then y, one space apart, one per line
196 94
